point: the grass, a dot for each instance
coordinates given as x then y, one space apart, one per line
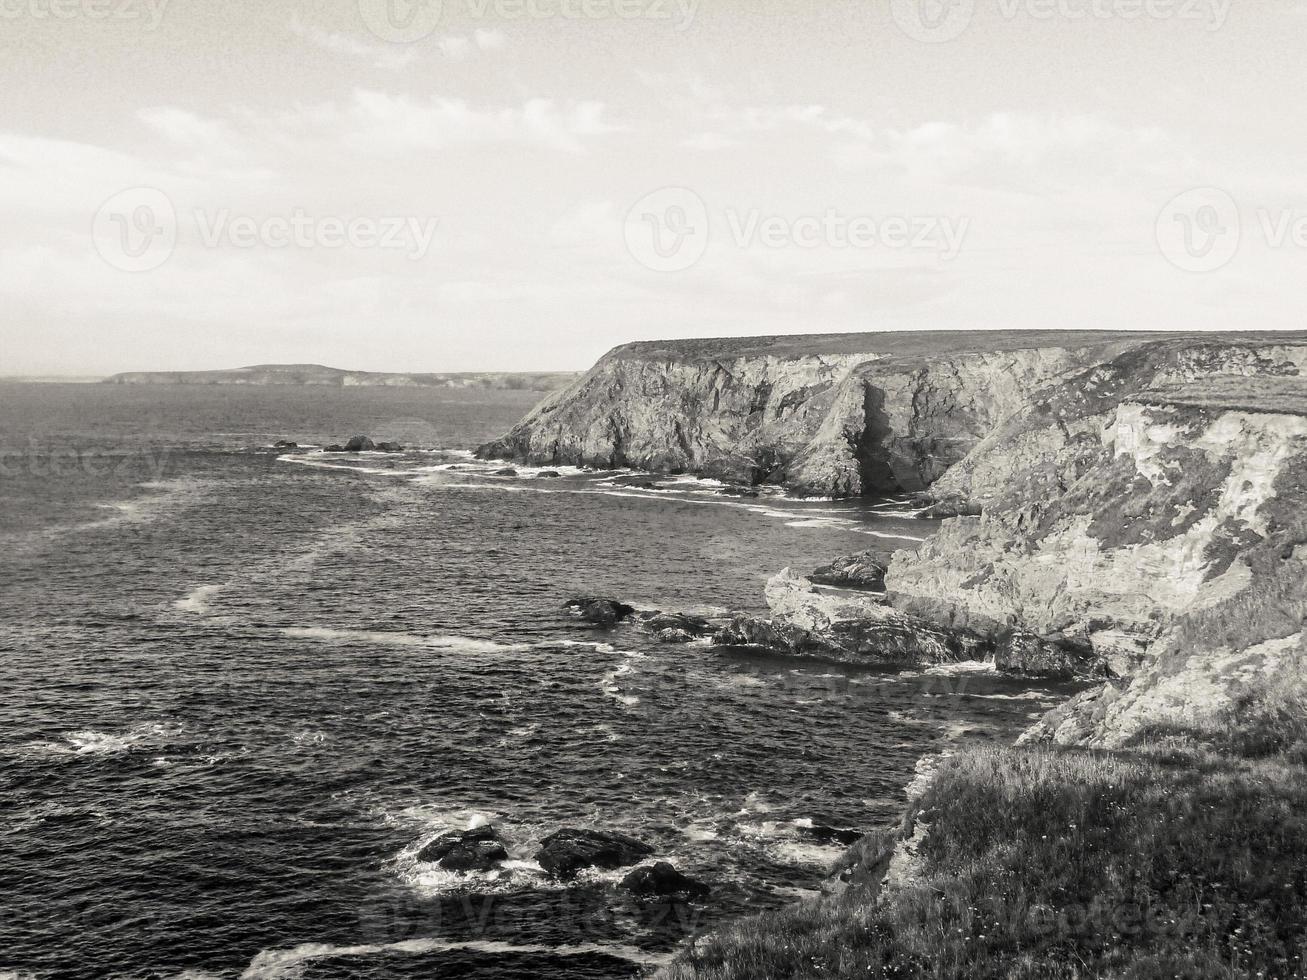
1167 860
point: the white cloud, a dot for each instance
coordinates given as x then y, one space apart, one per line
385 57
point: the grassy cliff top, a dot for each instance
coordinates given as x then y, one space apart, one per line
911 343
1279 395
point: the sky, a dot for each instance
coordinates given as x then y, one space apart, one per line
417 185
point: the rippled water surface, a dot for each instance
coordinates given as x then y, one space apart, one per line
240 691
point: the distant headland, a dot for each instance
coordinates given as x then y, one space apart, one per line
317 374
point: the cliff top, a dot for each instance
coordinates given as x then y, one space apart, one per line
1234 393
911 343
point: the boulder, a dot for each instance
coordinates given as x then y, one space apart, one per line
360 444
468 850
567 851
674 636
897 641
833 835
389 447
549 475
601 612
860 571
506 471
334 448
284 444
663 880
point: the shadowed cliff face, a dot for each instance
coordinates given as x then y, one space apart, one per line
865 419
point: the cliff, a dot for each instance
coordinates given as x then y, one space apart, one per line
316 374
829 415
1148 512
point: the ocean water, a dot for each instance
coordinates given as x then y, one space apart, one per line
241 689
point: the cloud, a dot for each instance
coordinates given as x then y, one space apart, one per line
391 57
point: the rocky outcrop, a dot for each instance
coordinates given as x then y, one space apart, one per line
663 880
566 852
478 849
602 612
835 415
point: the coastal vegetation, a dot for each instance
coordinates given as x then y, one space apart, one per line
1179 856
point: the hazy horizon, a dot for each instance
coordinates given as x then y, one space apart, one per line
520 185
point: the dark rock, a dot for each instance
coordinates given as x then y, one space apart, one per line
360 444
566 852
936 510
1025 653
389 447
334 448
283 444
601 612
549 475
734 491
901 641
507 471
467 850
664 880
674 636
694 625
860 571
833 835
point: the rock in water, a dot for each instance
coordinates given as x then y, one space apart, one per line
389 447
860 571
507 471
566 852
601 612
663 879
662 622
360 444
468 850
549 475
674 636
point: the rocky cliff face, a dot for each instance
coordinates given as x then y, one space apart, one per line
1149 510
838 416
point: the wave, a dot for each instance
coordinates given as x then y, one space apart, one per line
90 742
197 600
464 644
282 964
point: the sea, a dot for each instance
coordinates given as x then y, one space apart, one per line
242 687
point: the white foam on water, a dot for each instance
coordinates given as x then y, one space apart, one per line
197 600
465 644
965 667
91 742
283 964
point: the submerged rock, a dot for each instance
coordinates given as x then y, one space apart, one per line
389 447
468 850
360 444
334 448
860 571
663 879
284 444
601 612
506 471
567 851
549 475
